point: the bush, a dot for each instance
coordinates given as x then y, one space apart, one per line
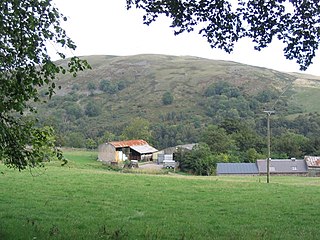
167 98
110 87
91 86
198 161
91 144
92 109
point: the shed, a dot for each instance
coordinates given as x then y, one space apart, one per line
283 166
142 152
237 169
313 163
172 150
123 150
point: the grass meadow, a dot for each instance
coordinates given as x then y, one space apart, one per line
83 200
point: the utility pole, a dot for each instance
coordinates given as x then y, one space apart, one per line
269 143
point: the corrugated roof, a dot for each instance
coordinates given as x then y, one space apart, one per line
237 168
189 146
128 143
144 149
312 161
283 166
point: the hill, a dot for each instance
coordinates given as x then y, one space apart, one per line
103 101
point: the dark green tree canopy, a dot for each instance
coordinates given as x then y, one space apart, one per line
26 29
223 22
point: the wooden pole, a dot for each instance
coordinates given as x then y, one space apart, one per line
269 144
268 160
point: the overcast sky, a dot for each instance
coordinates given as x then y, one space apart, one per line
105 27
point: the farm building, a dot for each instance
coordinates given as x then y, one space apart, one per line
237 169
313 164
164 157
283 166
167 153
125 150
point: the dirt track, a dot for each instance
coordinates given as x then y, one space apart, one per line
151 166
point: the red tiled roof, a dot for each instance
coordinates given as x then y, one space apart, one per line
128 143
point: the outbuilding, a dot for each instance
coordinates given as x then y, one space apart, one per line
313 163
167 153
125 150
283 166
237 169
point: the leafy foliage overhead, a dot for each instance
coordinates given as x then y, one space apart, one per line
223 22
26 29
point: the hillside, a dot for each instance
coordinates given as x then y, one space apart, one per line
307 91
118 90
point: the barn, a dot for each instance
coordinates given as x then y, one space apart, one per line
167 153
237 169
125 150
283 166
313 163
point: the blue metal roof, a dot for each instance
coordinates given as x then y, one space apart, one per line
237 168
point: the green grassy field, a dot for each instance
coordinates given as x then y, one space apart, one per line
85 201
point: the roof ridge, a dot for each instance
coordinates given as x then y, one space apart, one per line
128 143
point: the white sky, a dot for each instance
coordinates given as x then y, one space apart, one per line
105 27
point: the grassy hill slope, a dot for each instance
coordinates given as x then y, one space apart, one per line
307 89
145 78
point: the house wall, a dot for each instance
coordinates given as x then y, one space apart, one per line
155 156
170 150
122 154
237 174
107 153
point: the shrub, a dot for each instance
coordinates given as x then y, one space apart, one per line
92 109
167 98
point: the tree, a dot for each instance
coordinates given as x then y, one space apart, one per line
74 110
199 160
244 136
167 98
26 27
92 109
139 128
252 155
223 22
75 139
218 140
91 87
104 85
292 144
107 137
91 144
109 87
